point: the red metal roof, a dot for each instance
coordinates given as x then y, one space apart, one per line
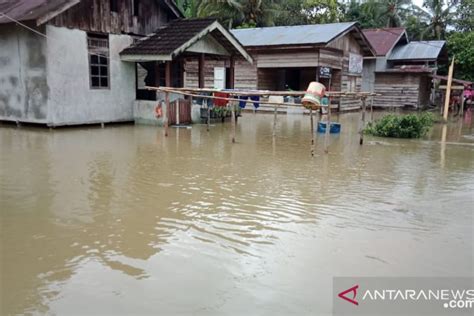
383 40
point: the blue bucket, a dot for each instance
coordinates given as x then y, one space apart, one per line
334 129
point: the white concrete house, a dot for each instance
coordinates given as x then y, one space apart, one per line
60 63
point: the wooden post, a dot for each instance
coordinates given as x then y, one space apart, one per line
328 131
166 112
372 109
275 113
233 120
462 105
232 72
208 115
362 124
202 66
178 104
312 130
448 91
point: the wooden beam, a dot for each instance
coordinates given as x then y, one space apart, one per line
232 72
448 91
166 112
168 74
202 67
362 124
444 87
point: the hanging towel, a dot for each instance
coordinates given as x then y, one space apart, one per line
220 102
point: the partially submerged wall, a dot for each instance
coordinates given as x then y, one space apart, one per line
23 85
397 90
71 98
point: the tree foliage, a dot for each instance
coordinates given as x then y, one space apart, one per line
461 46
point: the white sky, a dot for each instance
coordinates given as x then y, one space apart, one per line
418 2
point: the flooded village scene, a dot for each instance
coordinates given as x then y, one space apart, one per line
194 157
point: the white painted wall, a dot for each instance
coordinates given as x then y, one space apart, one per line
71 100
23 86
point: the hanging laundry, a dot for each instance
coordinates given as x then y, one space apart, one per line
220 102
254 98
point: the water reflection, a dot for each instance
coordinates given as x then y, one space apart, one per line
122 220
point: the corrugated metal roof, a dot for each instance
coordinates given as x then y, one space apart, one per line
291 35
384 39
426 50
24 10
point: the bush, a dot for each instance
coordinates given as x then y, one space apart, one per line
401 126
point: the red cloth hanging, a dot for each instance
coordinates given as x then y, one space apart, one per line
220 102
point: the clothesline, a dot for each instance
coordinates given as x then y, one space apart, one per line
243 92
173 90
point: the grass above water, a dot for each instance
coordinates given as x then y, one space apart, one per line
401 126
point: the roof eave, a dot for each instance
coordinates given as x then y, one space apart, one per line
213 26
50 15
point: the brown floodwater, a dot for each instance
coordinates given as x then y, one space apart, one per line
123 221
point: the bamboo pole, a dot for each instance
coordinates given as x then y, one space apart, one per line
178 103
328 131
275 113
208 115
167 108
448 91
233 121
227 99
362 125
372 109
268 92
312 130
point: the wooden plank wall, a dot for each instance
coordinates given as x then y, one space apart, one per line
292 58
397 90
191 68
245 74
96 16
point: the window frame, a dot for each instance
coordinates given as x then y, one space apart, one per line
101 52
114 6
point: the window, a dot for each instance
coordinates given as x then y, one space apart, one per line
136 7
98 61
114 5
219 78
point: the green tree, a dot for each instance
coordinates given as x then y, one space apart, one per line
394 12
438 15
464 16
323 11
461 45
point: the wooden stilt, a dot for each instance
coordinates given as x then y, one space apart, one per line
208 115
312 130
178 104
166 112
362 124
234 123
328 131
448 91
372 109
275 113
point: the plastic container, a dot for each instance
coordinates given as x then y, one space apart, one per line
334 129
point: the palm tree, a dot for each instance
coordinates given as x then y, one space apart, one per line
438 15
229 12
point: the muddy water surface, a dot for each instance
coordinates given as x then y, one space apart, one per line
124 221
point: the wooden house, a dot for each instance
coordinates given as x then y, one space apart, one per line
290 57
60 62
185 53
402 70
